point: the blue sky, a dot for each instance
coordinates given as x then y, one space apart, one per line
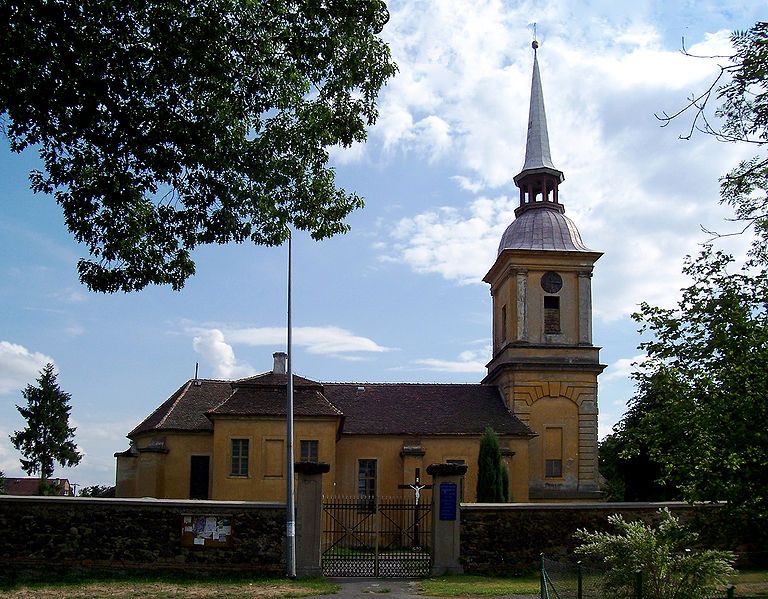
401 298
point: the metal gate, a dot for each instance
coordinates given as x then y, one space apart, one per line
385 537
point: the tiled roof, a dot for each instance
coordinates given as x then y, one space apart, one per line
277 380
271 401
30 486
367 408
422 409
185 409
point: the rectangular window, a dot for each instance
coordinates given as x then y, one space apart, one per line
366 478
239 457
553 452
366 485
309 451
551 315
274 458
503 324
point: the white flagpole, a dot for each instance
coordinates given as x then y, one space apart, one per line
290 516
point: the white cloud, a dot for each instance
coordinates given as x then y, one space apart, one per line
459 245
218 353
634 190
471 361
623 368
19 366
326 340
216 344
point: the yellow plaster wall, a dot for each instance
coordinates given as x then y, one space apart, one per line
393 469
162 475
564 399
263 482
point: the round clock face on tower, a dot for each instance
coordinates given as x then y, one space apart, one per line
551 282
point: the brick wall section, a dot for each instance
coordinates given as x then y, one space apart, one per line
507 539
89 534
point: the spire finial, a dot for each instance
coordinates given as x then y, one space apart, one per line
535 42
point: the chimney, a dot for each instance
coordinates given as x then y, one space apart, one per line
280 362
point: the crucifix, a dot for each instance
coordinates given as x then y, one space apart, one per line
417 487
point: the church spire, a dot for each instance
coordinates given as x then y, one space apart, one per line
539 179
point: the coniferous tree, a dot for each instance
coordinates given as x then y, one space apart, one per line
47 438
490 479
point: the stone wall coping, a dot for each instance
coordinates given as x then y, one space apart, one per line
146 502
606 506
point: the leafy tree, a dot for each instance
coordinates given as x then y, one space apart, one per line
670 569
97 491
706 371
48 438
700 401
625 462
3 490
741 87
166 125
490 477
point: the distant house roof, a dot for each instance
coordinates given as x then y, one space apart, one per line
30 486
366 408
422 409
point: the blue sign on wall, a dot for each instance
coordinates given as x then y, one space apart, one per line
448 501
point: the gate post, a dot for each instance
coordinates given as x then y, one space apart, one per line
446 520
309 512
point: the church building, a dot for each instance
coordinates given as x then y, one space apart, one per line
225 440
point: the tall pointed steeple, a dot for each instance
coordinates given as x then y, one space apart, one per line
539 179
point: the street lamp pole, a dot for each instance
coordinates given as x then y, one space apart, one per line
290 516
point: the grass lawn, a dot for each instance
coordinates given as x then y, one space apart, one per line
171 588
479 586
752 584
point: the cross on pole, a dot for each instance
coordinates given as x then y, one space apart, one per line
417 487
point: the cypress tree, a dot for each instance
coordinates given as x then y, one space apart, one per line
490 479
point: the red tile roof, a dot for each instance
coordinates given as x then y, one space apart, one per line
422 409
30 486
366 408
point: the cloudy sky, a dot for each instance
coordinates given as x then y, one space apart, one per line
401 297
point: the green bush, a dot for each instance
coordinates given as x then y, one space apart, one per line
670 568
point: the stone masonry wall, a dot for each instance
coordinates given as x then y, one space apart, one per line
45 534
506 539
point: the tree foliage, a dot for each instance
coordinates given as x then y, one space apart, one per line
706 372
163 125
700 405
625 462
741 87
47 439
490 475
3 489
670 568
97 491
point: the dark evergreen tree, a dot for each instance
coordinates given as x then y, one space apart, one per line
3 490
505 484
48 438
490 479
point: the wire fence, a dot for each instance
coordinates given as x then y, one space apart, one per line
568 579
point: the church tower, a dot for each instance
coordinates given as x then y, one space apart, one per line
543 358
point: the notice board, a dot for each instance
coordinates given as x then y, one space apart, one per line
206 531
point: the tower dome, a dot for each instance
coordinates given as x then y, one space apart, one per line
542 230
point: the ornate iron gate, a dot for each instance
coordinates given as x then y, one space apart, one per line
386 537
